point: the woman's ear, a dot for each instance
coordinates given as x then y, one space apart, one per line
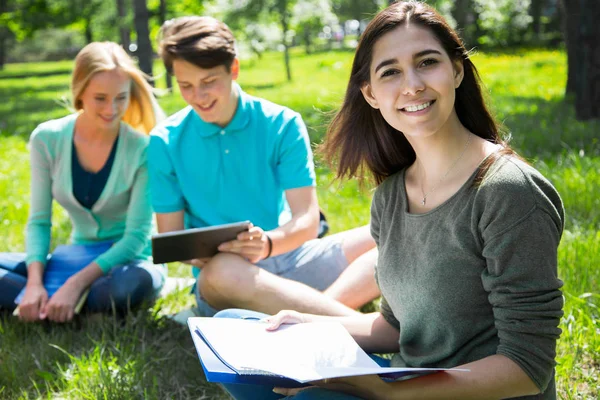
459 73
367 93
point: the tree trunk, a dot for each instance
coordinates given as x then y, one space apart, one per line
124 31
587 97
307 40
163 17
3 35
285 26
89 37
583 52
144 49
570 10
2 49
535 10
461 13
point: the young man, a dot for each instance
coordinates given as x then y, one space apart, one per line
230 157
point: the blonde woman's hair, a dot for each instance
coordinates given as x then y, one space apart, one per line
143 112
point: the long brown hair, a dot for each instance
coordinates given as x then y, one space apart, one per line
359 138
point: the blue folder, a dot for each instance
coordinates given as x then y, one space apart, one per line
66 261
217 371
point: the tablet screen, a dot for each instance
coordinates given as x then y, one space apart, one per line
194 243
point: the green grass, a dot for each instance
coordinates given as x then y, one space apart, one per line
146 356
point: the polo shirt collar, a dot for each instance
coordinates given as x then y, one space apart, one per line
238 122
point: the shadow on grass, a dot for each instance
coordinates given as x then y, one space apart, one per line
21 92
25 116
543 129
262 86
140 356
34 74
24 109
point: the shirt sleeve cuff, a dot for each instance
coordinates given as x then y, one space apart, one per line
31 259
167 208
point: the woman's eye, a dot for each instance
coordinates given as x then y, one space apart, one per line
99 98
428 62
389 72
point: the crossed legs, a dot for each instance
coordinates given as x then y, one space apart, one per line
229 281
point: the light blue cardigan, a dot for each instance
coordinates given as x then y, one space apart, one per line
123 212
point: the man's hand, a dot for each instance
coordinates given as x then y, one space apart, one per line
198 262
33 302
253 245
61 306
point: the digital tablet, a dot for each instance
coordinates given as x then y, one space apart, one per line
194 243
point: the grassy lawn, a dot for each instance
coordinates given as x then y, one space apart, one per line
148 356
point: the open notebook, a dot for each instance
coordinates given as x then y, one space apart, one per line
65 262
243 351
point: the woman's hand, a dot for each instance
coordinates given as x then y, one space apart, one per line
366 387
61 306
33 302
286 317
252 244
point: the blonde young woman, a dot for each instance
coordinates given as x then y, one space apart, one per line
93 163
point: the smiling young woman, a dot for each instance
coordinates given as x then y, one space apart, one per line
467 232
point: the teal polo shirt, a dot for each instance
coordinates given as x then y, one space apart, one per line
239 172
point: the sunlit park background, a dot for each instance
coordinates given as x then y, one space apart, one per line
524 61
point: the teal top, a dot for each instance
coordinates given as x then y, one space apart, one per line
239 172
122 214
475 276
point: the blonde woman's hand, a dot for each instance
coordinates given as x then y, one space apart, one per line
61 306
34 300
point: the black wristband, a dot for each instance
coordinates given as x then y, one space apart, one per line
270 247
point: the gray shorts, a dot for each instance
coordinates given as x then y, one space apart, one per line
317 263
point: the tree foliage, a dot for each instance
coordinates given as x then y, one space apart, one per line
309 17
246 11
356 9
504 22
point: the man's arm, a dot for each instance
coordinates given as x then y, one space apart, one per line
304 224
168 222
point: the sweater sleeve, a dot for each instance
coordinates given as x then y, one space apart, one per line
520 242
137 225
39 222
377 207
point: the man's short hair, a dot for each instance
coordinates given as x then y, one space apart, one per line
203 41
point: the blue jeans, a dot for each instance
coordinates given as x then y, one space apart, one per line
259 392
126 286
